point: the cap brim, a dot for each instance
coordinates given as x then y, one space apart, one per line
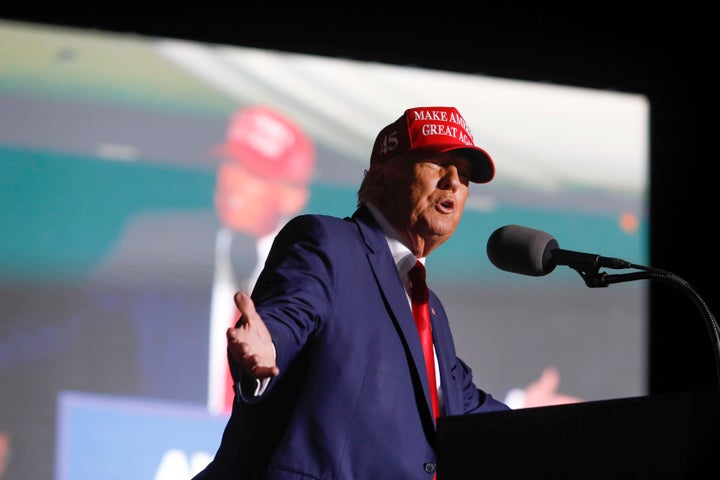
483 166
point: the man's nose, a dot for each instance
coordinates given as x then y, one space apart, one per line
450 178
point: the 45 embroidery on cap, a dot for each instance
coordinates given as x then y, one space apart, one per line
389 143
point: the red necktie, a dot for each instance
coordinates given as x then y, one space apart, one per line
421 312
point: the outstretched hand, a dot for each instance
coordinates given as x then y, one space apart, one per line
250 343
543 391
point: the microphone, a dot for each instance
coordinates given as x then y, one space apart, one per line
527 251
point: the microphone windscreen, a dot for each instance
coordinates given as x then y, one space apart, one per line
522 250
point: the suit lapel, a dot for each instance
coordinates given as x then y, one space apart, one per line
391 288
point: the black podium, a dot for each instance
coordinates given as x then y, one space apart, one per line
665 436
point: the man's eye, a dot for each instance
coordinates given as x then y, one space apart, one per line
428 164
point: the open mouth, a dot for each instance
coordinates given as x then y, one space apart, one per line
446 205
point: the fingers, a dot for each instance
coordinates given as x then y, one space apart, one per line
235 344
260 371
242 353
546 384
544 390
250 343
250 362
235 338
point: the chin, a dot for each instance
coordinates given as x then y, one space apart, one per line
443 227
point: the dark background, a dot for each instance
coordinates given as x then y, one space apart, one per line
670 56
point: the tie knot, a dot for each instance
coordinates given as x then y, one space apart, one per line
418 287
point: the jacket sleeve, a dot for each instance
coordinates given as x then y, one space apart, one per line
463 396
293 292
476 400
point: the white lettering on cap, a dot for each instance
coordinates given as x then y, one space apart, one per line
440 115
463 134
460 121
439 129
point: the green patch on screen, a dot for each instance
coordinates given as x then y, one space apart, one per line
60 212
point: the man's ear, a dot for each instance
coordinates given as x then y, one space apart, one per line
378 176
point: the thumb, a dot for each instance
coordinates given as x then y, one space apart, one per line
549 380
245 305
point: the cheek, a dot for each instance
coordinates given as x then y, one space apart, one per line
462 200
244 202
420 187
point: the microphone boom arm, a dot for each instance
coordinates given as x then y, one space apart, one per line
594 278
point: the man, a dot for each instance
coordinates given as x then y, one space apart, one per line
331 380
262 182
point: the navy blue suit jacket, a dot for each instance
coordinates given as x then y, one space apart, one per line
352 398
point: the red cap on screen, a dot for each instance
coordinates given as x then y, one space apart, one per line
269 145
433 130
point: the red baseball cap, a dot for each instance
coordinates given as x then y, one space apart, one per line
433 130
269 145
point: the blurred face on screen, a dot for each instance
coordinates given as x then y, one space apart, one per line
424 197
253 204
